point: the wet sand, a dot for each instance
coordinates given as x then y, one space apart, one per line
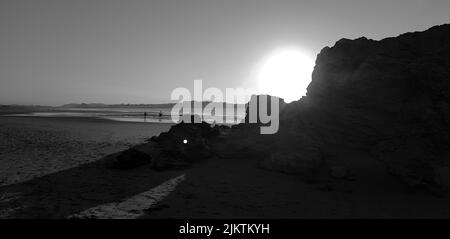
35 146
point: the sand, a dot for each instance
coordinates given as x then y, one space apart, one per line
33 146
58 170
133 207
232 188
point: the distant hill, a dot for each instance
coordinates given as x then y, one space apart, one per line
20 109
101 105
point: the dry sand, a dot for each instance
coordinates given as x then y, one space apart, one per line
231 188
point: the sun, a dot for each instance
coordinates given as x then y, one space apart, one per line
285 73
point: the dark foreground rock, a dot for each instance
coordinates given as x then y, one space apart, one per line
183 145
131 158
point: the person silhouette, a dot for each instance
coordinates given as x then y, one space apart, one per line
145 116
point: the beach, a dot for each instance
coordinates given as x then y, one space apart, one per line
57 168
37 146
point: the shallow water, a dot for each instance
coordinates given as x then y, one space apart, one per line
123 114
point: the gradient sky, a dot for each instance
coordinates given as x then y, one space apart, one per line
54 52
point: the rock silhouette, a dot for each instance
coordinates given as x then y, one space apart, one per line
390 98
387 98
183 145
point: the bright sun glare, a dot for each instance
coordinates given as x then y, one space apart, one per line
285 73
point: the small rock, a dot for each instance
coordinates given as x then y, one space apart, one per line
131 158
326 188
339 172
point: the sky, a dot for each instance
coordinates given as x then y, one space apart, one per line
54 52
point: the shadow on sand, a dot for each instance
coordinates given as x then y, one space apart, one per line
70 191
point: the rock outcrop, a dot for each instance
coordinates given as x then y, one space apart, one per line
389 97
181 146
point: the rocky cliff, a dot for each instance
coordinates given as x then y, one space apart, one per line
389 98
386 101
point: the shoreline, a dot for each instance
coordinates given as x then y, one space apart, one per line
79 119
